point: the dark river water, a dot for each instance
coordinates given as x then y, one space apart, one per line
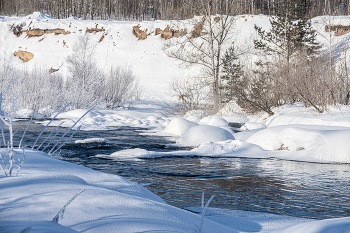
298 189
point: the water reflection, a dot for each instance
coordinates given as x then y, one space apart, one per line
267 185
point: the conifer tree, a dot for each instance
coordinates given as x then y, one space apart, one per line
232 71
290 31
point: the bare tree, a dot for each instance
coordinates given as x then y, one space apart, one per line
120 85
86 79
204 45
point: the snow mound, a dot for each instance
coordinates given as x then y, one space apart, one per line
27 113
199 134
303 144
252 126
230 148
178 126
127 154
92 140
205 120
33 226
337 225
218 122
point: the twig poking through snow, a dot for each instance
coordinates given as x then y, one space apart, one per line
203 211
61 212
73 126
50 135
67 140
48 125
2 128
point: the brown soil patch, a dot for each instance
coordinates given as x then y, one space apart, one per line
101 39
40 32
168 33
339 29
197 31
41 39
216 19
52 70
142 35
24 56
94 30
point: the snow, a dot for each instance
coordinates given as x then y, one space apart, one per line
127 154
178 126
92 140
111 203
199 134
252 125
218 122
304 144
340 225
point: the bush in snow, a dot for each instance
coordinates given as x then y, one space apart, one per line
85 83
38 88
88 84
121 85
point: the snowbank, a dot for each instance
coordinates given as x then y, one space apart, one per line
230 148
338 225
305 144
204 133
109 203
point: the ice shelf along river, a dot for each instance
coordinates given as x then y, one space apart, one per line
298 189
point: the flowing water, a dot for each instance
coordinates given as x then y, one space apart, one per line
298 189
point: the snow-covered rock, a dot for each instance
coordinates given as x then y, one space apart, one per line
305 144
252 126
218 122
178 126
199 134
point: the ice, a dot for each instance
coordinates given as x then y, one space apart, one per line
92 140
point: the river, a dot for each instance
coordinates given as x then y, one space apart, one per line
291 188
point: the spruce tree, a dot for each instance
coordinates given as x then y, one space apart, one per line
290 33
232 72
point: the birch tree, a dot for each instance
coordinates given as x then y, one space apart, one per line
205 45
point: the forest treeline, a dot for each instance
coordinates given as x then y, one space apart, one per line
160 9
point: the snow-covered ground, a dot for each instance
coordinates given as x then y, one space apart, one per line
111 203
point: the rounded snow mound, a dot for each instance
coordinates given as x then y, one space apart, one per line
252 126
218 122
302 144
126 154
199 134
178 126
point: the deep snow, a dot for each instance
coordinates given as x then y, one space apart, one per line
111 203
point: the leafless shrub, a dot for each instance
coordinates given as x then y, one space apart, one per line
190 94
257 90
41 89
121 85
86 79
